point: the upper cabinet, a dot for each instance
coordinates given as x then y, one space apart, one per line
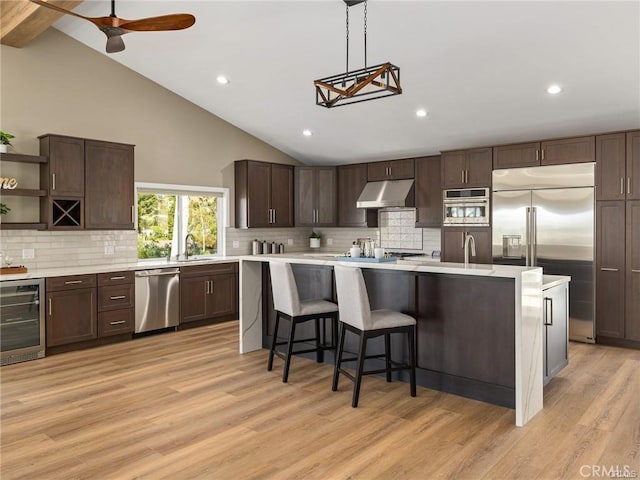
467 168
618 166
65 175
516 156
428 192
263 194
351 181
568 150
316 196
390 170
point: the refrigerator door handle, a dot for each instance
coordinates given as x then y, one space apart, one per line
527 236
534 236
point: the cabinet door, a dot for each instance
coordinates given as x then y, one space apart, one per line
351 181
282 195
479 167
109 186
400 169
516 156
223 295
66 165
326 196
482 237
305 196
452 244
556 340
610 263
377 171
258 196
632 318
633 165
568 150
428 192
610 167
71 316
193 298
453 169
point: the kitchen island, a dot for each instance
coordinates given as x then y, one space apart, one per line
479 327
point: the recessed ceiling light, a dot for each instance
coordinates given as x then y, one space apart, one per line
421 112
222 80
554 89
307 132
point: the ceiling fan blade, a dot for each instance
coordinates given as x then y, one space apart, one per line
176 21
114 44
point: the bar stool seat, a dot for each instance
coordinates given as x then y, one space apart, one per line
287 304
356 316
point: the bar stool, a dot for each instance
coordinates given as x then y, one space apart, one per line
288 305
356 316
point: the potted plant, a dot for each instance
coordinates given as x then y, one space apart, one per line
4 209
314 240
5 141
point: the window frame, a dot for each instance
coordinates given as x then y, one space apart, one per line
222 210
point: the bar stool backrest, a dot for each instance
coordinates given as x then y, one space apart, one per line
353 300
284 288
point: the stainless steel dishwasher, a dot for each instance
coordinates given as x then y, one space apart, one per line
157 299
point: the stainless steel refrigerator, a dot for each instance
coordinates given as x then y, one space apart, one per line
544 216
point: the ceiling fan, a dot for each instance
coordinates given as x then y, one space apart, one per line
114 27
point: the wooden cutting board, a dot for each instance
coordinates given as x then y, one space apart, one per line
10 270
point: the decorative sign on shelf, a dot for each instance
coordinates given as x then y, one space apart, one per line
8 183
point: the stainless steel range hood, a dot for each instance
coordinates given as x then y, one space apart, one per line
388 193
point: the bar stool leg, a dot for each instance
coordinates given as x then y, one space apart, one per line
359 369
287 361
338 364
273 342
387 355
319 351
412 358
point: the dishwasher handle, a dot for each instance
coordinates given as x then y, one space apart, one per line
157 272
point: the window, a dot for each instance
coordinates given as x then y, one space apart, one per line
168 213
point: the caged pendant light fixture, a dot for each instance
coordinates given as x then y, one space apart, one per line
368 83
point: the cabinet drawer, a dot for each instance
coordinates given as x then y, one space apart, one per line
211 269
116 278
71 282
115 322
115 297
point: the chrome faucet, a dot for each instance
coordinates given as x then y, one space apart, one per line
469 240
189 243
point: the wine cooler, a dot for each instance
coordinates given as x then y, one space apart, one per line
22 334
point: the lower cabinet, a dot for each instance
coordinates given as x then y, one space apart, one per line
116 303
208 292
71 309
453 244
556 330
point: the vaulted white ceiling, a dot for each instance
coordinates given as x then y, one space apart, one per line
480 69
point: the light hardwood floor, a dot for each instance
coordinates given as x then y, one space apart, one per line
186 405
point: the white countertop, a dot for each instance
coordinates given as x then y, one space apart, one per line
549 281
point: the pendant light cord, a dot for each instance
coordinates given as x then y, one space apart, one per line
347 6
365 33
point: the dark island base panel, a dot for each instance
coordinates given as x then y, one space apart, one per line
465 327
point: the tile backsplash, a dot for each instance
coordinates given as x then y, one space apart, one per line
398 230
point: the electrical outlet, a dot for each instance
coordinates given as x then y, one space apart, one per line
236 244
290 241
329 242
28 253
109 250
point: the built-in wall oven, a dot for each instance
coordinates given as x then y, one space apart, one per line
22 334
467 206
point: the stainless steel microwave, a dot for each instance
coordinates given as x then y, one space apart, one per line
467 206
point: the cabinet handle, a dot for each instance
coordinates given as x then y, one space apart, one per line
206 287
462 176
635 271
548 311
543 154
122 277
606 269
53 181
211 283
466 176
133 214
119 322
117 297
274 215
50 309
621 185
628 185
537 155
72 282
390 171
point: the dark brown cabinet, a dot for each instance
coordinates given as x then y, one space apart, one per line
65 174
428 192
568 150
71 309
633 165
618 166
467 168
208 292
632 280
390 170
516 156
116 303
351 181
109 194
263 194
316 196
453 244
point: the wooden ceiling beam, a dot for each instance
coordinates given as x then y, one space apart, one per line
22 21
